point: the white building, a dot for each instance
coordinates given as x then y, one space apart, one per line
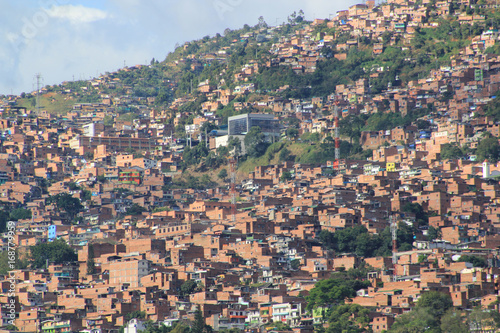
287 313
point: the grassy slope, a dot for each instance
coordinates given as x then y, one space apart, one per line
272 156
52 102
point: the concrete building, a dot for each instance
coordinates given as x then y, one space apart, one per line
241 124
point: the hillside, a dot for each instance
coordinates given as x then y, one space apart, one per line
118 192
300 63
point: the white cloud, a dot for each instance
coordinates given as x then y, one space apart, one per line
77 14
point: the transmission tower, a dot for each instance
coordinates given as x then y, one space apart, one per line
337 140
394 233
232 163
39 79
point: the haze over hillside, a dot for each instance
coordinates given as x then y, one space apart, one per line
80 39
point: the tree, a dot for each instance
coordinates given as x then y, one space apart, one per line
349 318
90 260
416 321
199 325
437 303
20 214
351 126
86 195
135 209
193 182
433 233
158 327
452 322
286 176
451 151
136 315
234 144
255 142
101 179
222 174
492 109
488 149
328 239
180 328
295 264
333 291
188 287
206 181
73 186
57 252
285 155
481 319
418 210
194 155
68 203
262 22
476 261
292 133
4 218
207 127
422 124
405 236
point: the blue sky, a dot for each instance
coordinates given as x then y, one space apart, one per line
80 39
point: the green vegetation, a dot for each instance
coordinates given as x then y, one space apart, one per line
20 214
286 176
161 209
11 328
21 262
65 201
488 149
417 209
135 209
492 109
451 151
189 287
10 214
358 240
295 264
433 233
56 252
426 316
256 143
222 174
136 314
53 103
199 325
476 261
351 318
333 291
435 313
90 260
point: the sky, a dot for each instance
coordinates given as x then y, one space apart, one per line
66 40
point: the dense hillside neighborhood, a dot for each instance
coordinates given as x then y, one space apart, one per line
335 175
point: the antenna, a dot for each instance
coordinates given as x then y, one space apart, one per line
38 78
337 140
232 163
394 233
